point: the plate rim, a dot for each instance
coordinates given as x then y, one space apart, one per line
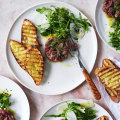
71 100
97 28
21 90
7 42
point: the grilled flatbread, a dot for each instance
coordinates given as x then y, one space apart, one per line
19 52
29 34
103 118
34 64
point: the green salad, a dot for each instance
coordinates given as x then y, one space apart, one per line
115 34
75 111
62 23
5 100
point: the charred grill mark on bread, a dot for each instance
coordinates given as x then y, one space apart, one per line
34 64
29 34
19 52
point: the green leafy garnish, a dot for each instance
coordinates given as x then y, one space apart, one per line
115 35
42 10
88 113
60 20
4 100
117 5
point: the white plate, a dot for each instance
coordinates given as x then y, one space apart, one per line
102 24
58 77
53 110
21 105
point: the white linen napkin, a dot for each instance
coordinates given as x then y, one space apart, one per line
114 107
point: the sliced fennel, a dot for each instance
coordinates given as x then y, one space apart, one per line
71 115
87 103
76 32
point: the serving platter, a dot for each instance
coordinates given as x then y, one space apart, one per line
53 110
20 105
58 77
102 24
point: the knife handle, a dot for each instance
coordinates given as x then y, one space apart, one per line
91 84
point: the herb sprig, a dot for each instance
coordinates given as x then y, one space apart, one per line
5 100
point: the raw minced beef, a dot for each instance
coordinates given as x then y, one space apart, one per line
58 49
6 115
112 8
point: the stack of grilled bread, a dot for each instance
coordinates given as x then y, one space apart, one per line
27 53
109 75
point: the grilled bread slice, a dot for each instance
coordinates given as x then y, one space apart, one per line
108 63
19 52
34 64
103 118
29 34
113 94
109 77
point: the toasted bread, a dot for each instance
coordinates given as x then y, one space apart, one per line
34 64
19 52
103 118
29 34
108 63
113 94
109 77
107 70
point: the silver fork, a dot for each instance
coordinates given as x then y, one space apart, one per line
90 82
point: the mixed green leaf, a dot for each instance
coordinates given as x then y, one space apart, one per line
59 21
82 113
115 35
5 100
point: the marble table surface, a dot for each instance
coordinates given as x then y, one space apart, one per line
9 9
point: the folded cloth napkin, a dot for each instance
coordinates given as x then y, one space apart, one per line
114 107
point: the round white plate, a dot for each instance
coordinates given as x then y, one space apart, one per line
53 110
102 24
58 77
20 105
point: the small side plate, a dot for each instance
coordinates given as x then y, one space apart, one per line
21 105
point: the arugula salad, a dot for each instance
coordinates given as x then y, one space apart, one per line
115 34
75 111
62 23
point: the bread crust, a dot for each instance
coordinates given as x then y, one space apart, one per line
103 118
113 97
108 63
